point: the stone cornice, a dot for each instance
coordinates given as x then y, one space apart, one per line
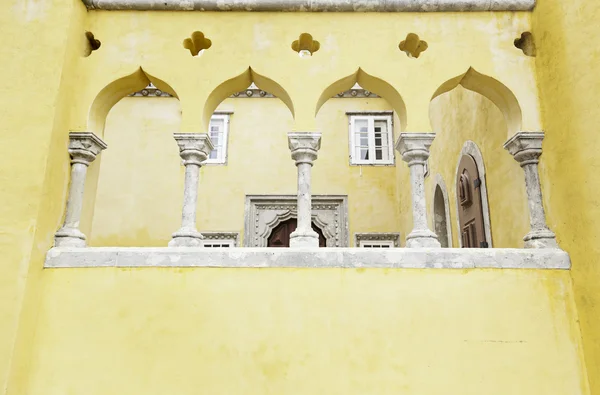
313 5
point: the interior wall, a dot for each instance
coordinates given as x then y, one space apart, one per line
140 188
462 115
569 90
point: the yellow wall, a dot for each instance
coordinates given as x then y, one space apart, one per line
569 89
140 189
307 331
462 115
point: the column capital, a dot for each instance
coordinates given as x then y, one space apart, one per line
414 147
194 148
525 147
304 146
84 147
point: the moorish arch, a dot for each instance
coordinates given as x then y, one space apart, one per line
115 91
370 83
492 89
240 83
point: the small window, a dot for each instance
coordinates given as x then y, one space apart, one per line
376 244
218 243
371 140
220 239
219 128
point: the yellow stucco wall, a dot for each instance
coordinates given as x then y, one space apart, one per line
569 89
307 331
140 189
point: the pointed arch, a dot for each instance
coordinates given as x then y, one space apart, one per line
470 148
239 83
115 91
370 83
492 89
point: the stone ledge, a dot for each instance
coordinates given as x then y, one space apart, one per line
402 258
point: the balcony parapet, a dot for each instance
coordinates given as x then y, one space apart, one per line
393 258
313 5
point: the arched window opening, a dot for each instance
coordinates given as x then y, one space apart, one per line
280 236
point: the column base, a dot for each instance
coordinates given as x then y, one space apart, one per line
422 239
186 237
301 238
543 238
69 237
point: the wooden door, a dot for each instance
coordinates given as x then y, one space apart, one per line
470 212
280 236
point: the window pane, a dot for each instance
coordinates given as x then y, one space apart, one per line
217 126
362 153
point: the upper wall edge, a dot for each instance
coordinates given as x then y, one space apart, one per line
313 5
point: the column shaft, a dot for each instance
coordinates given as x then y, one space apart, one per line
190 196
417 179
304 196
75 199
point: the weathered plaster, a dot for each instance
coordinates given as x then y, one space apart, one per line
421 258
314 5
470 148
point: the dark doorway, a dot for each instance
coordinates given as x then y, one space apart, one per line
470 213
439 221
280 236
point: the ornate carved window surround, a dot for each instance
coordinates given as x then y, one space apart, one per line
264 212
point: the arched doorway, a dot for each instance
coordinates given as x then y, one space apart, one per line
440 223
470 206
280 236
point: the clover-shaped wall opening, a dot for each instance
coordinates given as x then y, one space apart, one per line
91 44
413 46
526 44
305 45
197 44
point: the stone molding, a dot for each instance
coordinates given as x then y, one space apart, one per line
235 236
439 181
394 237
84 147
313 5
194 148
264 212
525 147
414 147
304 146
352 258
470 148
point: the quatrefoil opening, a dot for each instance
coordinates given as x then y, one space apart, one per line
197 43
526 44
91 44
413 46
305 45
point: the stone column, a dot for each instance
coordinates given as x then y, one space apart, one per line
304 147
414 148
194 148
83 148
526 148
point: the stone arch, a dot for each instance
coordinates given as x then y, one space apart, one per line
492 89
239 83
441 212
370 83
470 148
115 91
284 215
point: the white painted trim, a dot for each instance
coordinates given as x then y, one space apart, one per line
222 157
470 148
404 258
439 181
370 118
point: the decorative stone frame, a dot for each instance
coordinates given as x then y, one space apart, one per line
439 181
235 236
264 212
393 237
470 148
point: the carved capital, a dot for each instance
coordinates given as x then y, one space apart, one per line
84 147
414 147
525 147
194 148
304 146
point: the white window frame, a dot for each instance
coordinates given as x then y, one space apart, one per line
220 239
366 240
219 243
222 155
371 118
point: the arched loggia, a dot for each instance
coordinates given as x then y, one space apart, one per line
370 83
239 83
492 89
115 91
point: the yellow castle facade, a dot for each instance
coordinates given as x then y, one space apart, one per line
390 100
